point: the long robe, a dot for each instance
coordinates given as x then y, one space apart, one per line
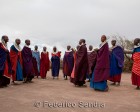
44 65
55 60
116 64
102 69
68 63
73 70
5 66
36 56
27 63
81 66
136 67
16 62
91 62
35 68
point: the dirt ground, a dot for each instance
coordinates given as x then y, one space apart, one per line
48 95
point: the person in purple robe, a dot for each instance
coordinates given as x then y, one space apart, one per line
27 62
116 63
5 63
81 64
101 72
91 61
68 62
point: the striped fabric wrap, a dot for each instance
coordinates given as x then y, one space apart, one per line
136 64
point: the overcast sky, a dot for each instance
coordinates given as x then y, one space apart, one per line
62 22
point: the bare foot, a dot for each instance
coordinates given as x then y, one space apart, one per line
137 87
113 83
106 90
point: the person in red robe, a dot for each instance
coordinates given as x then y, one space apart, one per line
16 61
136 64
68 62
81 64
45 63
5 64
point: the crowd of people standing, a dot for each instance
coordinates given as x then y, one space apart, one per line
97 65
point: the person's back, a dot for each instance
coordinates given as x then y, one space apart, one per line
91 61
81 64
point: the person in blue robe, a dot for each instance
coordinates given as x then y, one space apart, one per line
55 60
36 56
116 63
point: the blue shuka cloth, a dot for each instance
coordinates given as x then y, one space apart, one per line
136 50
114 68
36 55
19 73
98 85
3 56
55 65
116 61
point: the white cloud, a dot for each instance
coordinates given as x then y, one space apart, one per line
62 22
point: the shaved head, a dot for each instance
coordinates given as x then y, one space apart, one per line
77 47
113 42
27 42
54 49
90 47
82 41
103 38
36 47
44 48
5 38
136 41
17 41
68 47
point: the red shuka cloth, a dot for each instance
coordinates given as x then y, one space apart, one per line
116 78
136 64
57 54
7 67
72 74
135 79
14 56
44 64
136 69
